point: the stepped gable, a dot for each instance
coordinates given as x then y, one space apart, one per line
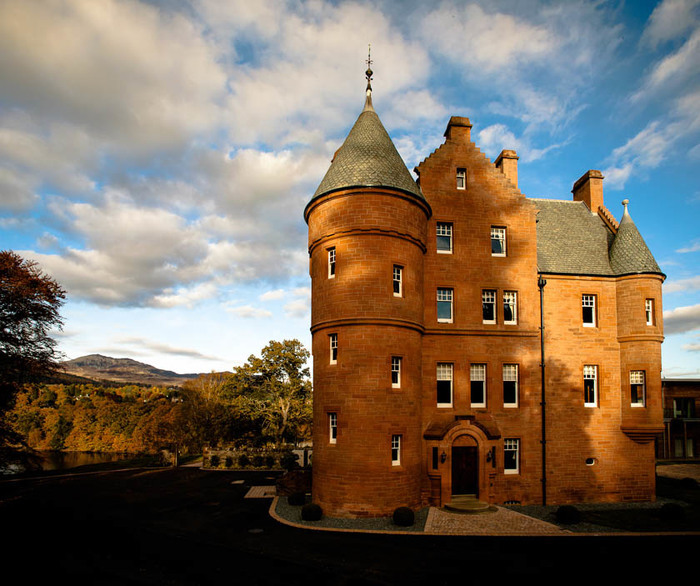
368 158
629 253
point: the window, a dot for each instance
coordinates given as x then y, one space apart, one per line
444 238
398 281
684 407
637 386
588 309
332 427
510 385
649 310
331 262
498 241
444 305
511 456
510 307
590 385
444 384
461 178
333 338
395 372
477 375
488 306
396 450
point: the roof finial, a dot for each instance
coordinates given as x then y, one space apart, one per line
368 74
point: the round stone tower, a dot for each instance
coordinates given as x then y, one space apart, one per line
367 238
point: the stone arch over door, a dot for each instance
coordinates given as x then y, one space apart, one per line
465 432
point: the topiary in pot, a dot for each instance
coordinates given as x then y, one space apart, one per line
311 512
404 517
568 514
296 499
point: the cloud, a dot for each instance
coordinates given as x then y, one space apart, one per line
695 347
682 319
248 311
493 139
164 348
272 295
694 247
689 284
671 19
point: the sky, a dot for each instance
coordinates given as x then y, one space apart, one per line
156 156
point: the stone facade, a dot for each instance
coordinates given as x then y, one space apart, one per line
427 345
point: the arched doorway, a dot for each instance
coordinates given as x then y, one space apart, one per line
465 466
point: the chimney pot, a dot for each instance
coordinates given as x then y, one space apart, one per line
589 189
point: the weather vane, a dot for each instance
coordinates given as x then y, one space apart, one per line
369 71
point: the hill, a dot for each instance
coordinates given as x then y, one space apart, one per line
122 370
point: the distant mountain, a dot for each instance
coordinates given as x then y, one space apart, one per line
123 370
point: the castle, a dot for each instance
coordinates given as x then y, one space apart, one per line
468 340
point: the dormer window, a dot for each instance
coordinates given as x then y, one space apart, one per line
461 178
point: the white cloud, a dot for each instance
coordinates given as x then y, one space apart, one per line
682 319
143 343
695 347
671 19
694 247
690 284
248 311
272 295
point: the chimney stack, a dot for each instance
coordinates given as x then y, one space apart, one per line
589 190
459 129
507 162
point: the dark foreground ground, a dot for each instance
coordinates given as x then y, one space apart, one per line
187 526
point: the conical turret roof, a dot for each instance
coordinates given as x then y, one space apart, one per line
368 158
629 253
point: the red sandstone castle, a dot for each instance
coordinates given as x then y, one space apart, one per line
470 340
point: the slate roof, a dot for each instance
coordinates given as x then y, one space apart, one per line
572 240
368 158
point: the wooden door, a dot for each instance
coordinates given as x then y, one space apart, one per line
465 470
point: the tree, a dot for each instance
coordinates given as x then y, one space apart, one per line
278 385
29 310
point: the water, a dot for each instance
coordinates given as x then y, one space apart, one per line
67 460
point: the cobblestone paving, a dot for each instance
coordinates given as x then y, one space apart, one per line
499 522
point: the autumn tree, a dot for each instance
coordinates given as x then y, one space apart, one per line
278 386
29 309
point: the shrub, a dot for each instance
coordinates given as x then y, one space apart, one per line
568 514
311 512
243 461
269 461
296 498
258 461
289 461
404 517
229 462
688 483
214 461
672 512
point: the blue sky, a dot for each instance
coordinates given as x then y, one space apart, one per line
156 157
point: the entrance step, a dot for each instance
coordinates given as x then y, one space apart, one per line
469 504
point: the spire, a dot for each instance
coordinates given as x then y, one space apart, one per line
629 253
368 74
368 157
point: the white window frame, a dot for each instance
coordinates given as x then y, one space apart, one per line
488 296
331 262
396 450
590 373
396 372
333 346
477 374
589 301
498 233
510 299
649 310
445 372
332 428
510 375
445 295
511 444
638 379
397 281
461 178
444 229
